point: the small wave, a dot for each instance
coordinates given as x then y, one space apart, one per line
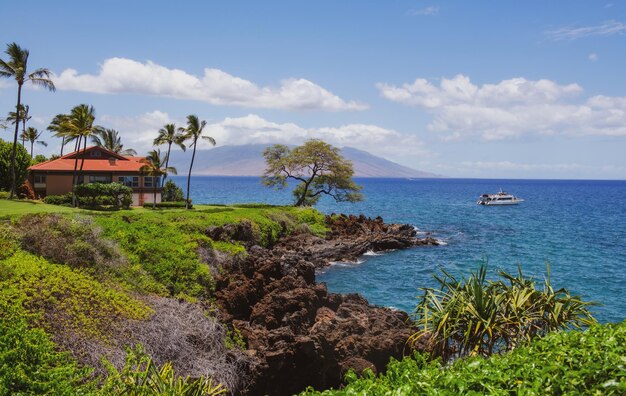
372 253
346 263
441 242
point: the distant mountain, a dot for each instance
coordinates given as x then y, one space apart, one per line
247 160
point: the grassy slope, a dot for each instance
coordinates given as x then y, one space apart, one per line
75 282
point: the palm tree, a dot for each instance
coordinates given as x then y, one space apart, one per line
153 166
32 134
79 125
169 135
21 116
16 67
56 126
193 131
110 140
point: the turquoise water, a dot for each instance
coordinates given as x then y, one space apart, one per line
579 227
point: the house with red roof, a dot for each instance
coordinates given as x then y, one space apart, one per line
95 165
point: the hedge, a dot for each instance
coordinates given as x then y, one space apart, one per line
166 205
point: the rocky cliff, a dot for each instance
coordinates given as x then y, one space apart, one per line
296 332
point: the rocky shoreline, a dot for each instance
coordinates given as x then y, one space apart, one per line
298 334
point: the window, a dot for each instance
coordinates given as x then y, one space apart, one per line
151 181
40 179
99 179
129 181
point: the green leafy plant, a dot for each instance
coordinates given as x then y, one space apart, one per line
590 362
172 193
95 195
140 376
475 316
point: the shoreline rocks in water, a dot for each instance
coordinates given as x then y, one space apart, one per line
297 333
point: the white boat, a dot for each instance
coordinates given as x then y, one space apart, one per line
500 198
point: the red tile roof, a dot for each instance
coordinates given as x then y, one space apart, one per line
117 164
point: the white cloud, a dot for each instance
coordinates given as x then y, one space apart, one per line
432 10
510 108
121 75
138 133
607 28
593 57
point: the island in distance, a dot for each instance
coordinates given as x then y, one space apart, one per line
247 160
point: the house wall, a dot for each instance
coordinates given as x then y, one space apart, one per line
58 184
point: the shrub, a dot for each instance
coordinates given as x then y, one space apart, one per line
39 158
25 191
166 205
30 363
479 317
195 343
78 242
172 193
94 195
22 162
64 301
4 195
65 199
155 241
562 363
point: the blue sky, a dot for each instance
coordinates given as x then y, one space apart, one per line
501 89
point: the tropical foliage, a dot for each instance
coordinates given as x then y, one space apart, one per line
562 363
172 193
110 139
476 316
22 162
16 67
154 167
98 195
32 135
316 166
169 135
140 376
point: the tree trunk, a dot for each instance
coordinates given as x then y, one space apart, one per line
154 197
17 128
31 149
167 160
76 147
62 145
189 175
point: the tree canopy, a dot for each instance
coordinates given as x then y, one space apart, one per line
317 166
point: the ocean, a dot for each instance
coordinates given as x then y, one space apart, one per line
577 227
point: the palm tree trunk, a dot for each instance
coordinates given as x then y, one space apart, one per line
17 128
31 149
154 197
76 146
62 145
167 160
189 175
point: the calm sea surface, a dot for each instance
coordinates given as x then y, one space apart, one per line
579 227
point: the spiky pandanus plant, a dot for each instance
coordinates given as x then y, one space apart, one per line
476 316
193 131
110 139
17 67
31 135
169 135
154 166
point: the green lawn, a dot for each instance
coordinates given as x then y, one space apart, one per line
10 208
